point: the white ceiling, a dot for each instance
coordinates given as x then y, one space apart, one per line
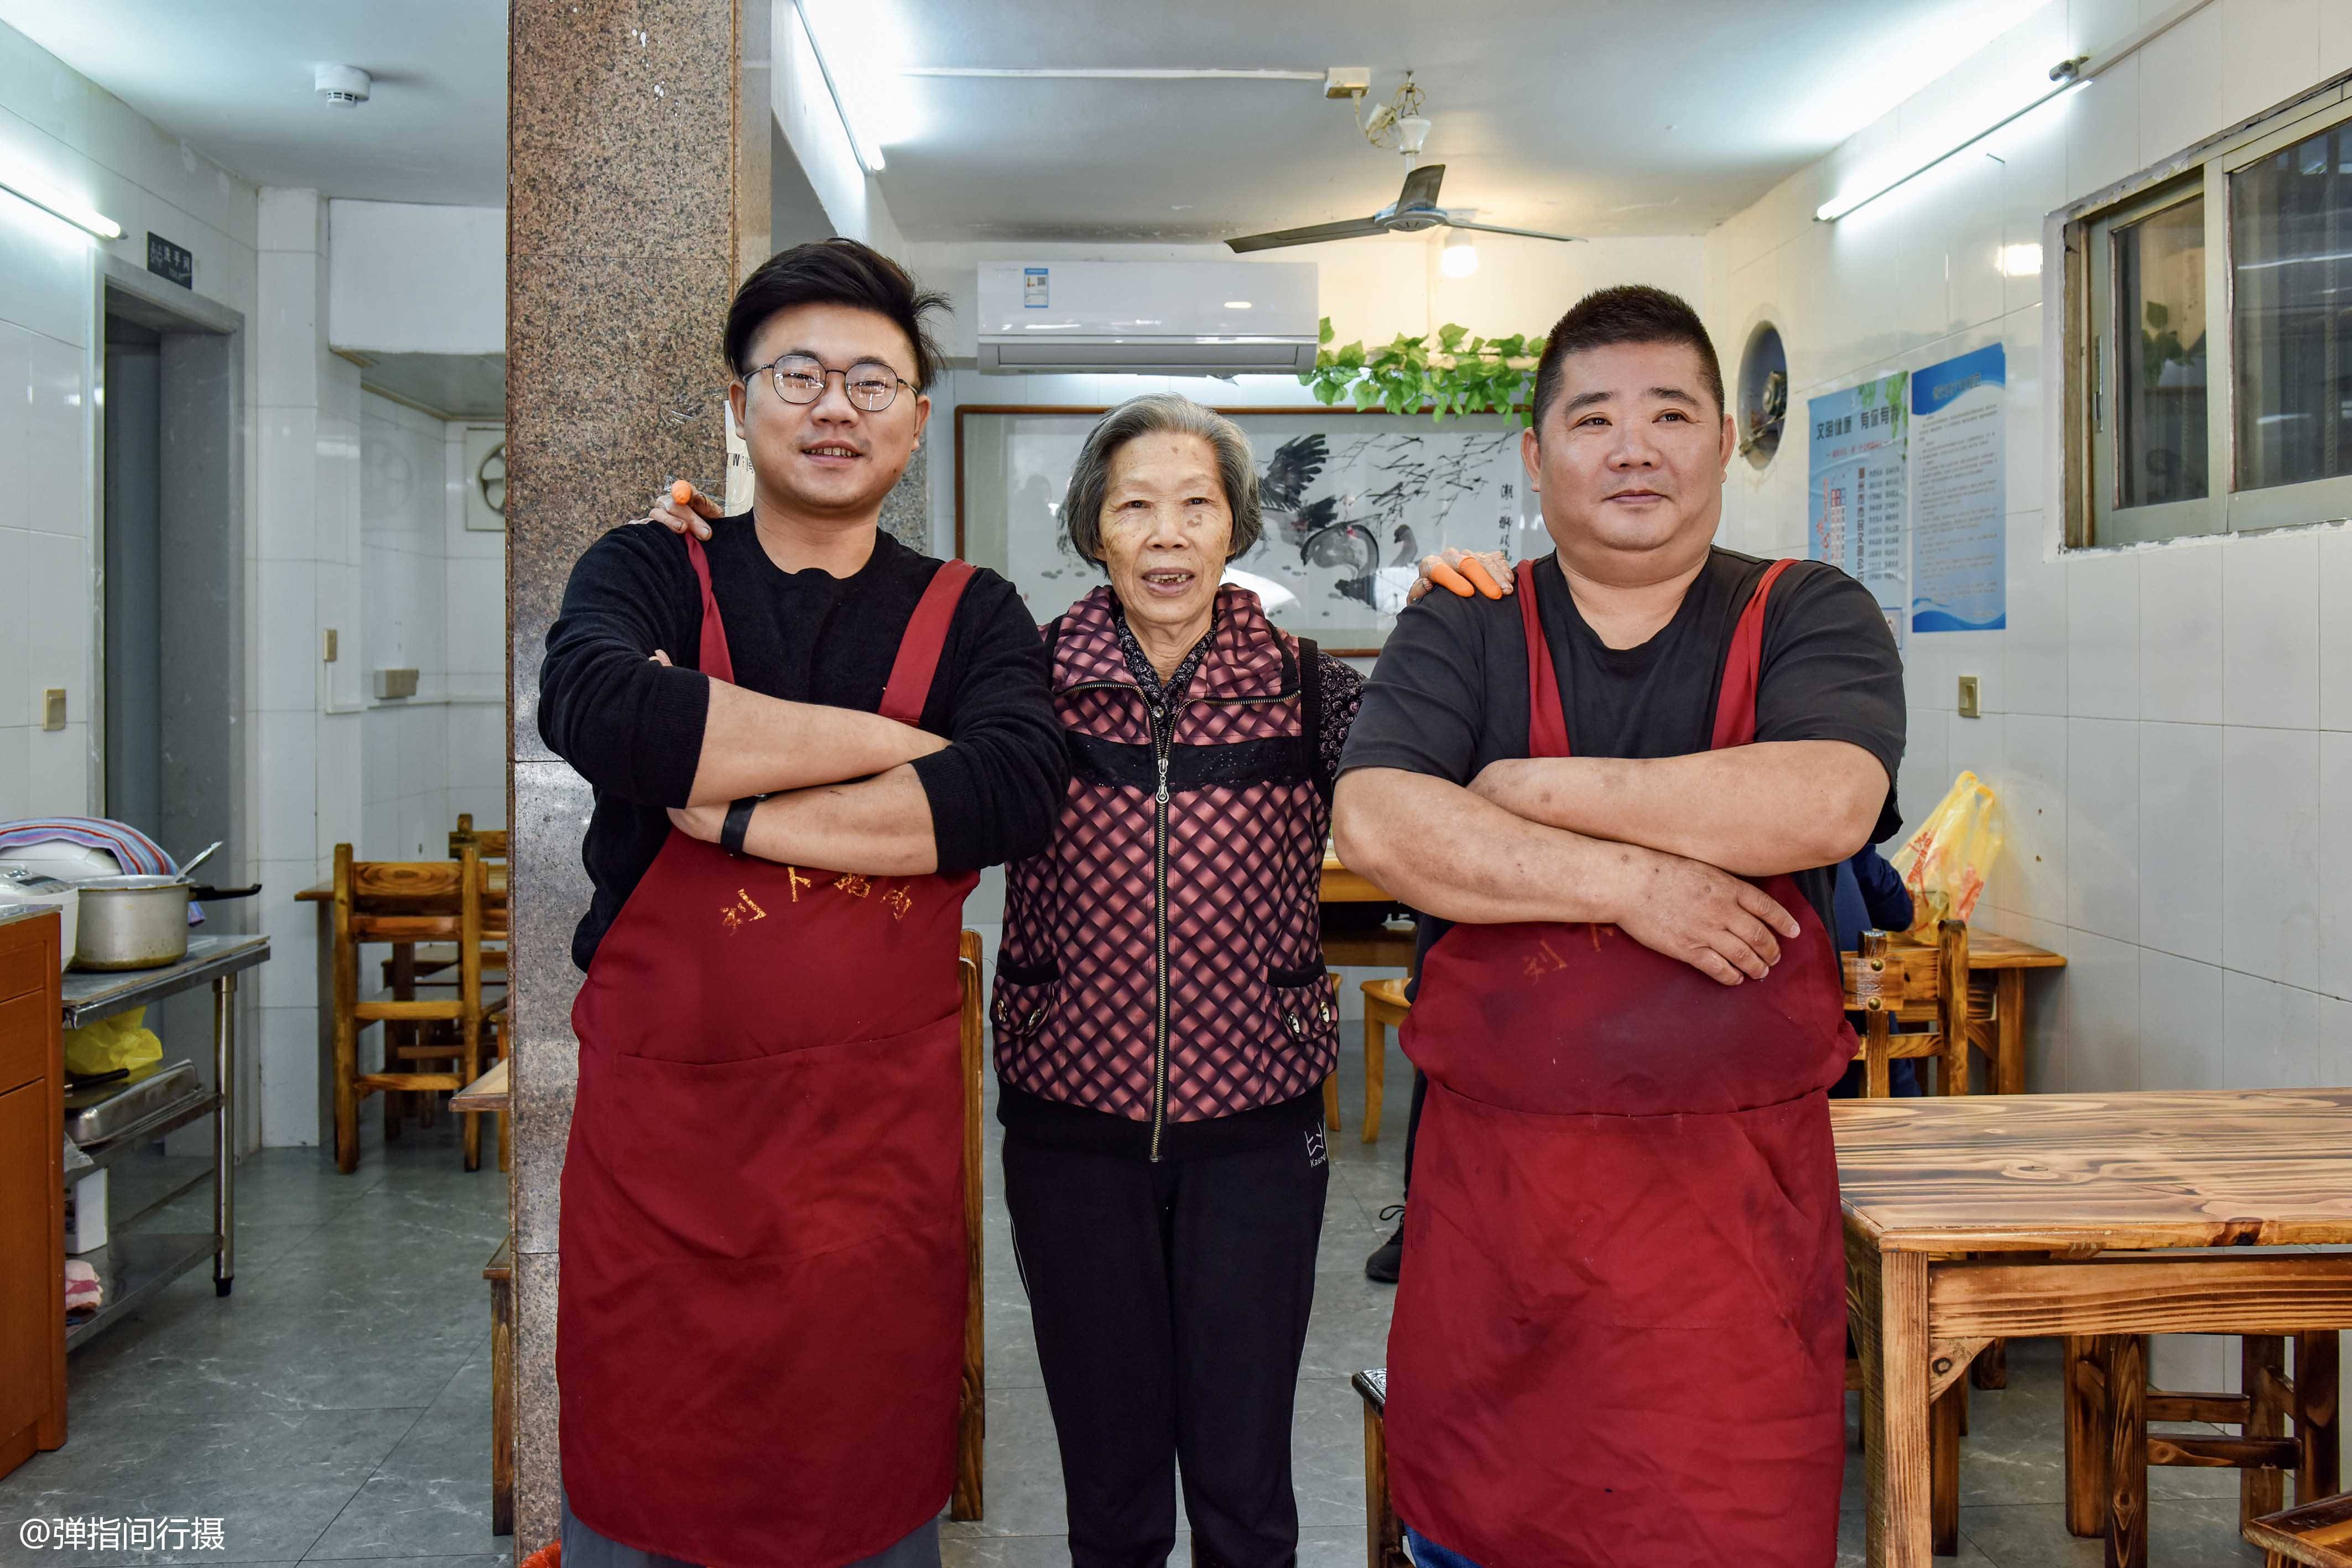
1588 116
233 79
1583 116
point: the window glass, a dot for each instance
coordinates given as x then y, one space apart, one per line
2160 342
2291 246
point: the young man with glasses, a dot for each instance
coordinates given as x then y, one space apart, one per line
761 1318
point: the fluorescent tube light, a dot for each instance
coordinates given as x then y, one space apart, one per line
16 178
2065 76
869 155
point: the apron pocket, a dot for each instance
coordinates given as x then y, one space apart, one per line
788 1155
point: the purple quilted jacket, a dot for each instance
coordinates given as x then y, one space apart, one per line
1162 958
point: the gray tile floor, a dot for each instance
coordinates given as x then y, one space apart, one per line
336 1406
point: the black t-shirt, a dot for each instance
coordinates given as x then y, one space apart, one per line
1450 693
633 729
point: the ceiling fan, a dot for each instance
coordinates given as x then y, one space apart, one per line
1414 209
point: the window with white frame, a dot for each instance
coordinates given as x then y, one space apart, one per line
2211 380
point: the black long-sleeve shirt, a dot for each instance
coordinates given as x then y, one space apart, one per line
634 728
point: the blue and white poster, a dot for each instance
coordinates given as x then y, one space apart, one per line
1959 533
1857 489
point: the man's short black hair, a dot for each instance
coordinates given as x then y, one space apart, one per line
1629 313
836 271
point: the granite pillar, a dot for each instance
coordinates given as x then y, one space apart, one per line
637 149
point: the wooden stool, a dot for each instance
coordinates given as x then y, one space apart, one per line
499 1272
1383 1533
2318 1534
2108 1405
1384 1009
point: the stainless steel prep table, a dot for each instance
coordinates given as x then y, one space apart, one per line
134 1267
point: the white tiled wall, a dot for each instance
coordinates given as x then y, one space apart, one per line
436 604
91 145
2167 726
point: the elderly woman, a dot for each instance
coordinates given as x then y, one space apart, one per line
1164 1025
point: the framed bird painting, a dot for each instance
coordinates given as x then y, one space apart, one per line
1351 502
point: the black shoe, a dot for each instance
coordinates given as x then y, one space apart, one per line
1383 1264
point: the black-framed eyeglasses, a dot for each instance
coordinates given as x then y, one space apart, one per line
800 378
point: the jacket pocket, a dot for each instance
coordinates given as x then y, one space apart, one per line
1305 1009
1024 998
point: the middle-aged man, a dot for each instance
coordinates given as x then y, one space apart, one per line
759 1325
1619 1337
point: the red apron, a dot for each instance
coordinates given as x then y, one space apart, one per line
760 1319
1619 1339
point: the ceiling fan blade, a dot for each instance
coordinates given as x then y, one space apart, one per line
1315 234
1421 187
1524 234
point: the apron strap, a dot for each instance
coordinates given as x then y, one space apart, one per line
1735 702
1547 723
909 686
715 661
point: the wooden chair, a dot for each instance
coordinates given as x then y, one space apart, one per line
2318 1534
1384 1009
971 1420
2263 1453
1383 1532
492 843
1888 984
406 903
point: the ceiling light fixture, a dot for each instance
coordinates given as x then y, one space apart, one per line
2065 76
1459 258
1237 304
14 177
1114 73
862 147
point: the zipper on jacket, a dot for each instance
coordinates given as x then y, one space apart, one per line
1163 735
1162 721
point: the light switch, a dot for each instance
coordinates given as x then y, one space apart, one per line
53 709
1969 708
331 645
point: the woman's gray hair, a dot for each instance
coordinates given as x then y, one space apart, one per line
1153 414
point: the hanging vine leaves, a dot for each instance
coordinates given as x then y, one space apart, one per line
1449 373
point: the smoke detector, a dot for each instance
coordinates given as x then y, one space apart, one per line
346 85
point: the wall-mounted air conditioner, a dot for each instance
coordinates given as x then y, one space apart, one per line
1164 318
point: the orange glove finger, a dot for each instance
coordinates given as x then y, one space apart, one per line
1476 570
1446 577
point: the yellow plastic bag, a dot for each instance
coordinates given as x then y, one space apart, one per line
1945 864
122 1040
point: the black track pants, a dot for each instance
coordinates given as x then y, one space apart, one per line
1171 1305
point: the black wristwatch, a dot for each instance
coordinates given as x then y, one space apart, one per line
738 823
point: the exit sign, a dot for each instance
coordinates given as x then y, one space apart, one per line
165 259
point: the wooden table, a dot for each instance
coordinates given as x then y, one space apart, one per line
1973 1219
2002 1038
1371 949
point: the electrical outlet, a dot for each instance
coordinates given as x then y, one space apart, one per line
1969 706
330 649
53 709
